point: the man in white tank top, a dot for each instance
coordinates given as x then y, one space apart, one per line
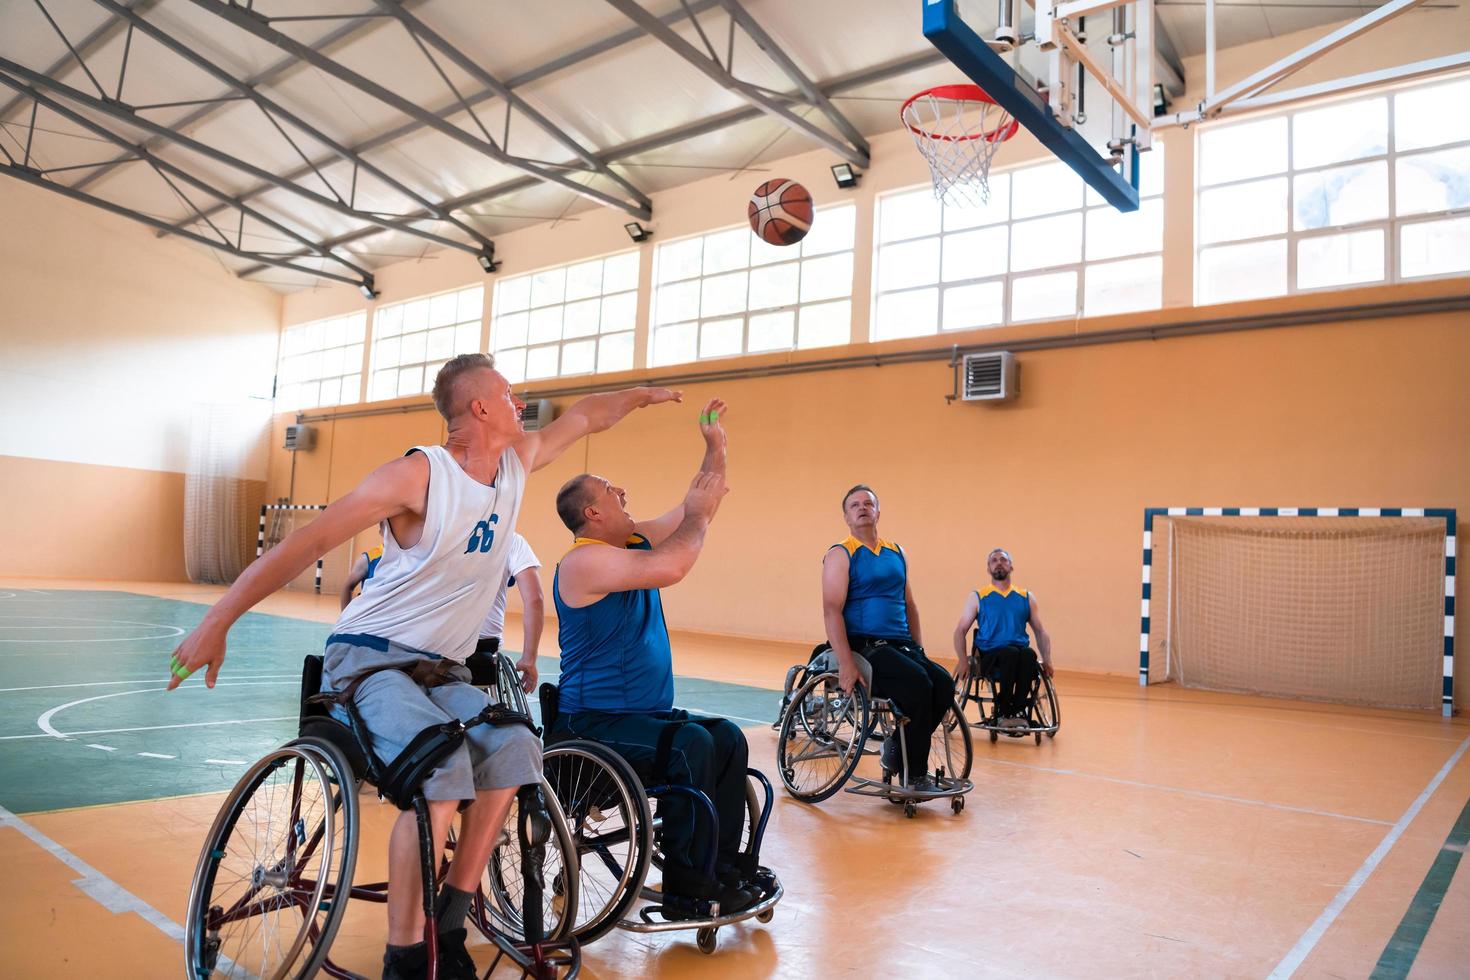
447 514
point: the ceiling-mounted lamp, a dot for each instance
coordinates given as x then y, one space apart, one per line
637 232
845 176
366 288
487 258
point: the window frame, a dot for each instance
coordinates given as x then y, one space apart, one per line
358 372
426 381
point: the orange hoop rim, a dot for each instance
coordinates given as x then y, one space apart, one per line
959 93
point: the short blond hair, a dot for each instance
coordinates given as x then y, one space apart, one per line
447 398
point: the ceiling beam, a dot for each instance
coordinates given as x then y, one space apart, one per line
671 137
274 110
258 26
423 32
96 39
856 154
126 114
455 106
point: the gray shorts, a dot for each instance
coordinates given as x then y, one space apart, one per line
395 709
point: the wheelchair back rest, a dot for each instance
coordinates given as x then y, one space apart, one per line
316 720
484 669
311 685
550 699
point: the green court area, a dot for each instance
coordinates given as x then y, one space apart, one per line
85 718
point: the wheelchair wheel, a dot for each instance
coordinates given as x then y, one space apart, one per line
607 814
273 878
949 746
821 738
1044 706
503 882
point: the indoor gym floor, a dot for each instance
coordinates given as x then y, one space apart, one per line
1163 833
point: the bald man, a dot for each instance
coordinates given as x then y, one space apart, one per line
448 515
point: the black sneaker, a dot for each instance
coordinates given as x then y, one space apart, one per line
891 757
682 908
736 898
411 963
455 961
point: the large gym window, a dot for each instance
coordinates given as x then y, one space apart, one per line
412 340
728 292
1359 191
321 363
574 319
1044 246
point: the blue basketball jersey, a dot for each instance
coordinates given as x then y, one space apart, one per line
1002 619
877 581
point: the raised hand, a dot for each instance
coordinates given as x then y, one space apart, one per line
657 396
704 495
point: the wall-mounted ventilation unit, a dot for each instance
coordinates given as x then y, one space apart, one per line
537 414
300 437
989 377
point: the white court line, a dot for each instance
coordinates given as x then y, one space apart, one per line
1304 946
145 728
102 889
44 722
155 755
228 762
153 679
104 748
176 630
1222 797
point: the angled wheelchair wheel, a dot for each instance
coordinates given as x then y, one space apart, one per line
272 880
821 738
1047 713
503 883
607 814
950 747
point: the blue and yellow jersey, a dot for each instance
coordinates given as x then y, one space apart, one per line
1002 619
615 653
373 556
877 581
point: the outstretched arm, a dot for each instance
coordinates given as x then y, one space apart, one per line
1043 638
395 488
595 413
961 636
588 574
713 431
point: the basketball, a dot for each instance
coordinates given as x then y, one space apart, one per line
780 211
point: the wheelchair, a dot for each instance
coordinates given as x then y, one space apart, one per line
824 732
1043 716
273 879
616 828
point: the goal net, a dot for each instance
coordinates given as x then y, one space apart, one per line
1341 609
329 574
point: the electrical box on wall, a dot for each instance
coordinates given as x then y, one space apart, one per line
300 437
989 377
537 414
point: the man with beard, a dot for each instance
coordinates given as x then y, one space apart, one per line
868 608
1002 612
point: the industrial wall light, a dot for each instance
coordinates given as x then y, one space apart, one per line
845 176
637 232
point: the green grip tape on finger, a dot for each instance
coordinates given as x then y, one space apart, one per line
709 419
177 668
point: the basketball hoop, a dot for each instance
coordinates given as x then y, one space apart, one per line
958 128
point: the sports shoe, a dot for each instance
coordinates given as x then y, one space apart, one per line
923 784
1013 721
891 757
411 963
682 908
455 962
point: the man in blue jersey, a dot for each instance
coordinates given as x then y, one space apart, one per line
617 671
1000 614
868 608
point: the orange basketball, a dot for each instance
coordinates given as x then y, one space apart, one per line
780 211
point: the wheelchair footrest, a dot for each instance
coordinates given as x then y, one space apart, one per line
760 910
944 788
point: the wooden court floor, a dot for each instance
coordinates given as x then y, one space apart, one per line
1167 833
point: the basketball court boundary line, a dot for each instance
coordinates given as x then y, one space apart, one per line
1298 954
93 883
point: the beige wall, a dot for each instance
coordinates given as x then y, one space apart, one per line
109 338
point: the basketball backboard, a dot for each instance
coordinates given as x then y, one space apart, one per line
1077 74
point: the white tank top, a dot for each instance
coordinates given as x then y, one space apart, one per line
432 597
520 557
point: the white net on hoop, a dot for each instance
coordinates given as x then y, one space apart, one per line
958 129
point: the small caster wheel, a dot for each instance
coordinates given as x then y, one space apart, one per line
765 916
1038 738
910 808
1051 734
706 939
994 736
957 804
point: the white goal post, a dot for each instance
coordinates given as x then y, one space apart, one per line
1360 613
